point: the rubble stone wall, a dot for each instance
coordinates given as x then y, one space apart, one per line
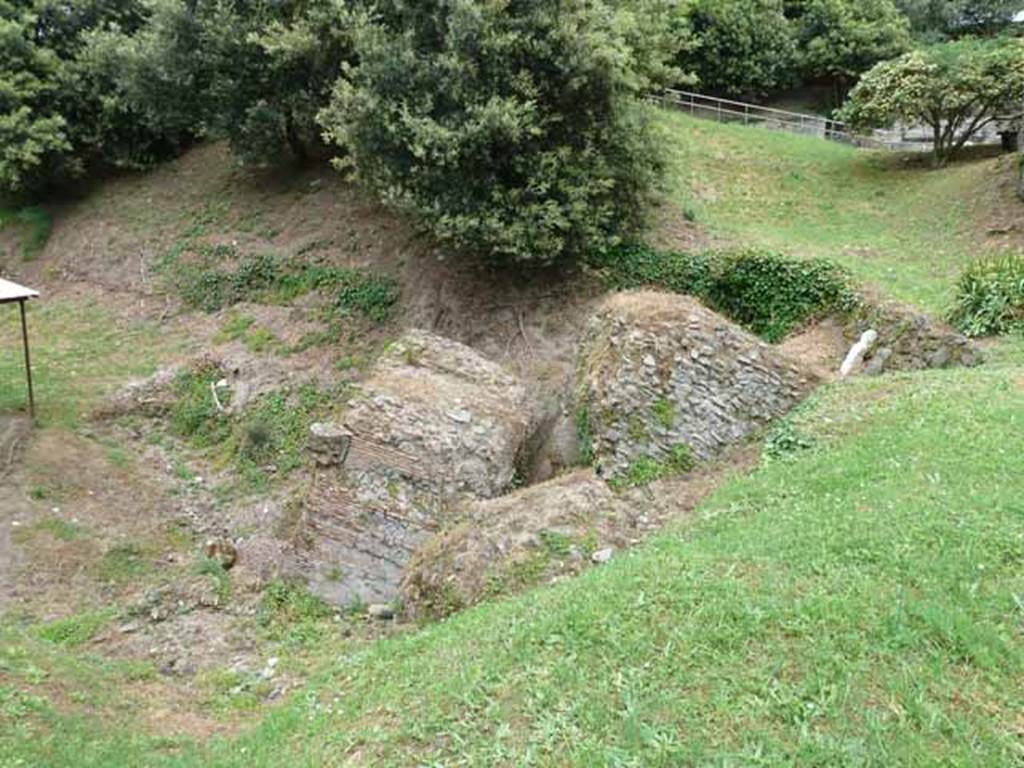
435 423
909 341
658 371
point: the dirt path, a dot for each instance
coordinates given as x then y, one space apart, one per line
13 431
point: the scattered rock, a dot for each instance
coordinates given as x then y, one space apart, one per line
380 611
909 340
876 365
222 551
603 555
151 397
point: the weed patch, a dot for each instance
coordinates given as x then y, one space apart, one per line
289 613
211 277
75 630
990 296
646 469
32 226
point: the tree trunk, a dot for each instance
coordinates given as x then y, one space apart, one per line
295 142
938 146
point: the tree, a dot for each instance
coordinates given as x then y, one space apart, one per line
32 141
276 65
255 71
61 110
841 39
955 88
744 47
933 21
510 129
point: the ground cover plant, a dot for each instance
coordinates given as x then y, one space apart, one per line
768 293
990 296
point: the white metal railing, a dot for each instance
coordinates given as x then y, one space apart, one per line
727 110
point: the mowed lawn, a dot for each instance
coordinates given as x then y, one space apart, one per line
860 602
899 226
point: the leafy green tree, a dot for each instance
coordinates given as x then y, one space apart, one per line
955 88
510 129
255 71
275 70
61 109
841 39
32 141
932 21
743 47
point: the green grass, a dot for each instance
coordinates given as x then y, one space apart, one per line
75 630
32 226
894 224
80 352
266 440
859 603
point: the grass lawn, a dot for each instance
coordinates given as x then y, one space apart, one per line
79 353
860 602
896 224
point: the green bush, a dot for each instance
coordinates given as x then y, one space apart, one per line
772 294
990 296
743 47
514 130
766 292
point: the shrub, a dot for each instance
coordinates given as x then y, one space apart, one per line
511 130
743 48
955 88
766 292
990 296
772 295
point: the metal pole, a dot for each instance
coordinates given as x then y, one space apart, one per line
28 361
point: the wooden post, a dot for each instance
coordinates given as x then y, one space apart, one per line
28 361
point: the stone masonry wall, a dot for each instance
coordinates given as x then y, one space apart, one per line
435 423
660 370
909 340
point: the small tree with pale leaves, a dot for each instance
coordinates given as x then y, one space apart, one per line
956 89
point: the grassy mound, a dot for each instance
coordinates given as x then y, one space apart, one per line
895 224
855 601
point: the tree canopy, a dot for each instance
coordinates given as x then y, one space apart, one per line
955 88
513 129
742 47
840 39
